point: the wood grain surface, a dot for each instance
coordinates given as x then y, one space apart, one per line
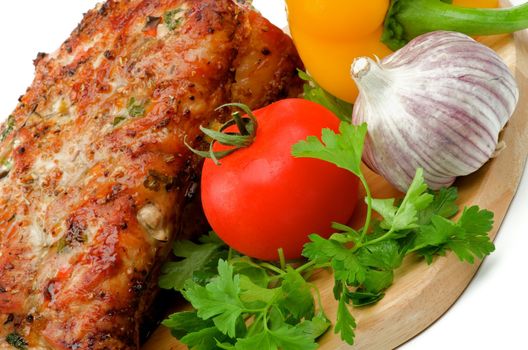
422 293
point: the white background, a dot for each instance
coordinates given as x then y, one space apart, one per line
491 314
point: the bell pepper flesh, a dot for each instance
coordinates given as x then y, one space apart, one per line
328 61
329 34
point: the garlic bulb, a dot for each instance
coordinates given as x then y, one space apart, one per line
438 104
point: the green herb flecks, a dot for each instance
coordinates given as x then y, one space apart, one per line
173 18
117 120
5 168
17 341
134 109
9 126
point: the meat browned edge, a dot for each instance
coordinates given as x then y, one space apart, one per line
94 172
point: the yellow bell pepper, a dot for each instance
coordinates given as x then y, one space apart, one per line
329 34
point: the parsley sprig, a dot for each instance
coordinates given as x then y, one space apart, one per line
364 265
240 303
245 305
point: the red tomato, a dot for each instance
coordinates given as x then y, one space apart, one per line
261 198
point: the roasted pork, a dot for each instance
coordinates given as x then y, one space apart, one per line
95 176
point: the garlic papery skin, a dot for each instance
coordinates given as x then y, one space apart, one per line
439 104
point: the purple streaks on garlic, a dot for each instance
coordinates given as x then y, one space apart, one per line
439 104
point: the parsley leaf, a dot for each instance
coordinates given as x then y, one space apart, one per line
315 327
315 93
417 223
186 322
196 258
415 199
219 299
297 295
443 204
346 265
247 304
345 322
204 339
344 149
468 238
286 338
363 298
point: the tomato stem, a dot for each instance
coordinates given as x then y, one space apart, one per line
241 124
282 259
247 127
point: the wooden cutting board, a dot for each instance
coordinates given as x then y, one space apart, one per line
422 293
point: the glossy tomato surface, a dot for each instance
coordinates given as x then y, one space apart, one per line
261 198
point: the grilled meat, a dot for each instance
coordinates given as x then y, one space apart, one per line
94 172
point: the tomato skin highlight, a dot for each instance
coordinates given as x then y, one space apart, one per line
261 198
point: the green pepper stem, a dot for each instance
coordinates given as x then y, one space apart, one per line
407 19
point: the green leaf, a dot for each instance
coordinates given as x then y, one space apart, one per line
476 221
260 341
196 257
346 233
344 262
253 293
377 281
292 338
468 238
363 298
284 338
415 199
471 240
345 323
315 327
204 339
245 267
212 237
383 255
183 323
297 296
435 234
315 93
219 299
381 259
443 204
387 209
344 149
